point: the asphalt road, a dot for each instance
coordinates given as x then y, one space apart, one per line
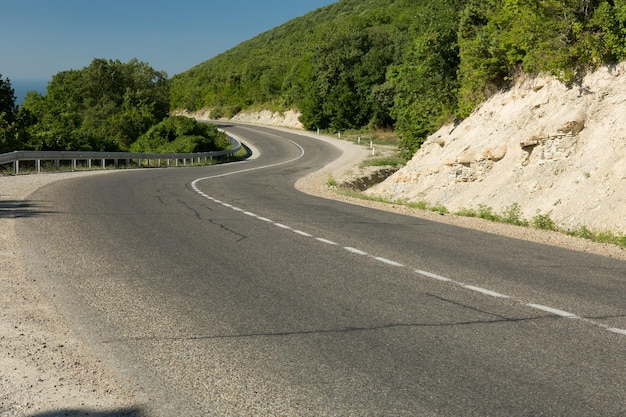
224 291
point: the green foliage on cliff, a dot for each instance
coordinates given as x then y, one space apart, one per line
407 64
501 38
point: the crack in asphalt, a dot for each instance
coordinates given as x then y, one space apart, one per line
352 329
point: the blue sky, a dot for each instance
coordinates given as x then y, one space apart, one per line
39 38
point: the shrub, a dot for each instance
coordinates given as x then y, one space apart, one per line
179 134
544 222
512 215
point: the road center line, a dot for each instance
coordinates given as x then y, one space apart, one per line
301 233
558 312
355 250
433 276
486 291
555 311
329 242
389 262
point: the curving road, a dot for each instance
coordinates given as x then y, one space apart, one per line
224 291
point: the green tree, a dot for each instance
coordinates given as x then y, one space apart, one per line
105 106
426 81
13 119
7 98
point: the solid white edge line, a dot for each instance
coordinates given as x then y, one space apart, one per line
282 226
616 330
555 311
265 219
485 291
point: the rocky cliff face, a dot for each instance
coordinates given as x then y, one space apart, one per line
550 149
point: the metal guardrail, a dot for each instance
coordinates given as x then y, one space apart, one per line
74 156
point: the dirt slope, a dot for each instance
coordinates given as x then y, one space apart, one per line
549 148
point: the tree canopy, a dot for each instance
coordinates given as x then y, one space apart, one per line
12 119
410 65
407 64
104 106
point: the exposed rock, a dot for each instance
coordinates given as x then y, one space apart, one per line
572 127
363 182
550 148
289 118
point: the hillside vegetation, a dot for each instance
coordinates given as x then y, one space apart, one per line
407 64
106 106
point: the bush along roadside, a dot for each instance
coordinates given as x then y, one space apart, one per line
510 215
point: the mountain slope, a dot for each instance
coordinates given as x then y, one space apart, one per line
332 65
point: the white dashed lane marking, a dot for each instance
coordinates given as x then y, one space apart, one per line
328 242
554 311
390 262
485 291
355 251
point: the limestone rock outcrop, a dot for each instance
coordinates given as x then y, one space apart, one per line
552 149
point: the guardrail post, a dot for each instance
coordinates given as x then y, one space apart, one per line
16 167
73 164
38 166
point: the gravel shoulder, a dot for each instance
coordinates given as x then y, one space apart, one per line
47 371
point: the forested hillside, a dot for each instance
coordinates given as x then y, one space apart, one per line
406 64
410 65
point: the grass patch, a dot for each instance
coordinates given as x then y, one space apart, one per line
420 205
510 215
376 136
394 161
599 237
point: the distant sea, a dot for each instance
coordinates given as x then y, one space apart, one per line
21 87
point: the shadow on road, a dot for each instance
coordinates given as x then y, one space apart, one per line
127 412
13 209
